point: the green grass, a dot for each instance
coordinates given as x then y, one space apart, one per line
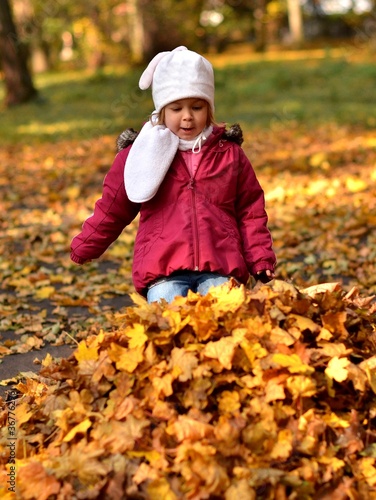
258 94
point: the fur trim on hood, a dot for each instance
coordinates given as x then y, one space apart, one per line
127 137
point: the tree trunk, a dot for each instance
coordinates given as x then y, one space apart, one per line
295 21
18 82
260 25
136 32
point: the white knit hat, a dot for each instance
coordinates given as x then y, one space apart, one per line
178 74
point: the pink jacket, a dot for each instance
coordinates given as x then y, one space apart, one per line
214 221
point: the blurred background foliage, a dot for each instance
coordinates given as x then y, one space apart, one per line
61 34
292 61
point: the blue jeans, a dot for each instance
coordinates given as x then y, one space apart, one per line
178 285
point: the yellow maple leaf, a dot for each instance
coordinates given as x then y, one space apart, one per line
160 489
229 402
299 385
369 367
283 447
223 350
126 359
324 335
44 292
227 299
152 456
137 336
335 421
293 363
334 462
48 360
97 340
337 369
253 350
175 319
80 428
367 469
23 413
138 299
86 353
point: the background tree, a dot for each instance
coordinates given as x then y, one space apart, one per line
260 25
157 25
92 33
294 9
18 81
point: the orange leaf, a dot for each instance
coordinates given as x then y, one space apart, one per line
229 402
188 428
182 363
34 482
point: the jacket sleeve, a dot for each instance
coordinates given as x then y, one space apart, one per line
112 213
253 219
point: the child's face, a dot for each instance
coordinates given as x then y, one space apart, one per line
186 118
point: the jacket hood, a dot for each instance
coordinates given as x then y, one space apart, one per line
232 134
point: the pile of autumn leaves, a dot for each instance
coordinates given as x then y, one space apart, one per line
263 394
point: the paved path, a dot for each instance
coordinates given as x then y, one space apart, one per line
14 364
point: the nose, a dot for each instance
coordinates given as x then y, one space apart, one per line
187 114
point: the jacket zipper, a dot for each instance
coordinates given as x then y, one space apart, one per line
195 225
196 244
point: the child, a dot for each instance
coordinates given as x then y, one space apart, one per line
202 210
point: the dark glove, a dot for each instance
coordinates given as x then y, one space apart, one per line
265 276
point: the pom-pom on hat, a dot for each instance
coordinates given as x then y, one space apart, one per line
178 74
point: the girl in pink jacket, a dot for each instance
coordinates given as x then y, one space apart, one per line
202 209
